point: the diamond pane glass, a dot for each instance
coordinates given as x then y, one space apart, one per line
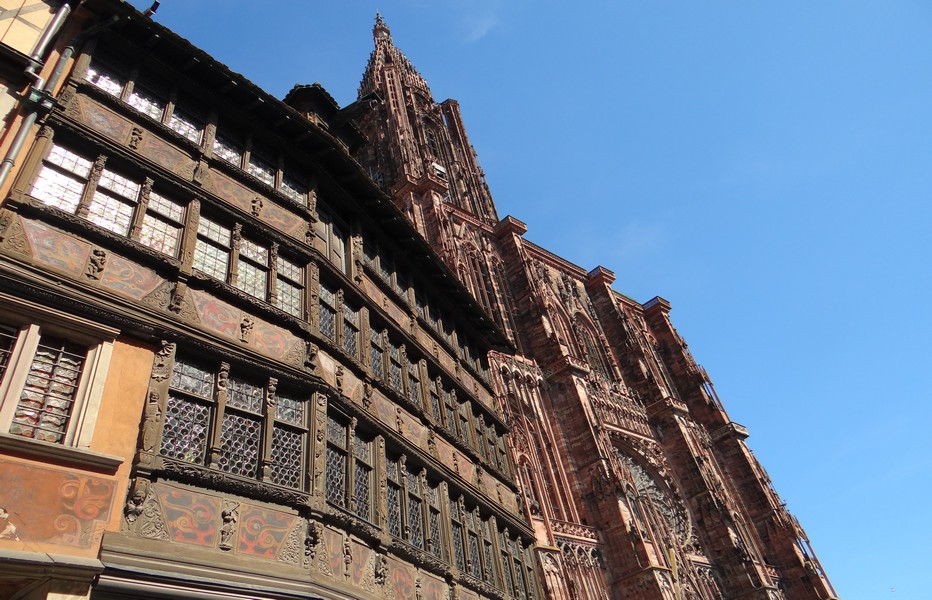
488 574
211 260
193 379
458 546
244 394
146 103
336 476
239 444
287 457
186 125
262 170
506 569
475 566
519 579
362 480
228 150
376 362
435 542
184 434
252 279
394 509
160 235
105 80
328 321
415 521
44 408
350 338
414 389
110 213
336 432
290 409
57 189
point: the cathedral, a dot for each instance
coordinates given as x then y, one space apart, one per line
261 348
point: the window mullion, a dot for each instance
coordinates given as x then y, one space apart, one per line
90 187
272 296
236 243
221 394
142 204
265 455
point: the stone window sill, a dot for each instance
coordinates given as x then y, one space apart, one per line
59 454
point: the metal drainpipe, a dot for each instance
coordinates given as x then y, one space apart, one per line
37 89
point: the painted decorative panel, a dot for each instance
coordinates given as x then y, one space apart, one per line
401 580
190 518
166 155
249 201
128 278
61 507
262 532
103 120
57 250
433 589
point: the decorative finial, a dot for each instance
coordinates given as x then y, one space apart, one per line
381 31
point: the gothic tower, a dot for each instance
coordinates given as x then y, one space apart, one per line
636 481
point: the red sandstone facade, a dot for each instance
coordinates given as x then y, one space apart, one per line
635 480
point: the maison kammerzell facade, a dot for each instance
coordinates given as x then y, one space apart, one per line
262 348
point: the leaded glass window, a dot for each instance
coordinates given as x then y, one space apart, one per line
105 79
395 367
393 493
290 287
435 542
162 224
45 407
488 572
376 354
194 406
362 476
212 249
187 125
350 330
336 462
289 440
415 516
464 417
228 150
146 102
113 200
294 189
253 269
187 413
506 563
449 411
414 383
435 392
62 179
327 313
262 169
456 526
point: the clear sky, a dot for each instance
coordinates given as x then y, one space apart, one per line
764 166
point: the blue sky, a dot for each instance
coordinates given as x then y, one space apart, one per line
764 166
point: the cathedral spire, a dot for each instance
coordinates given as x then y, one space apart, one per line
380 31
